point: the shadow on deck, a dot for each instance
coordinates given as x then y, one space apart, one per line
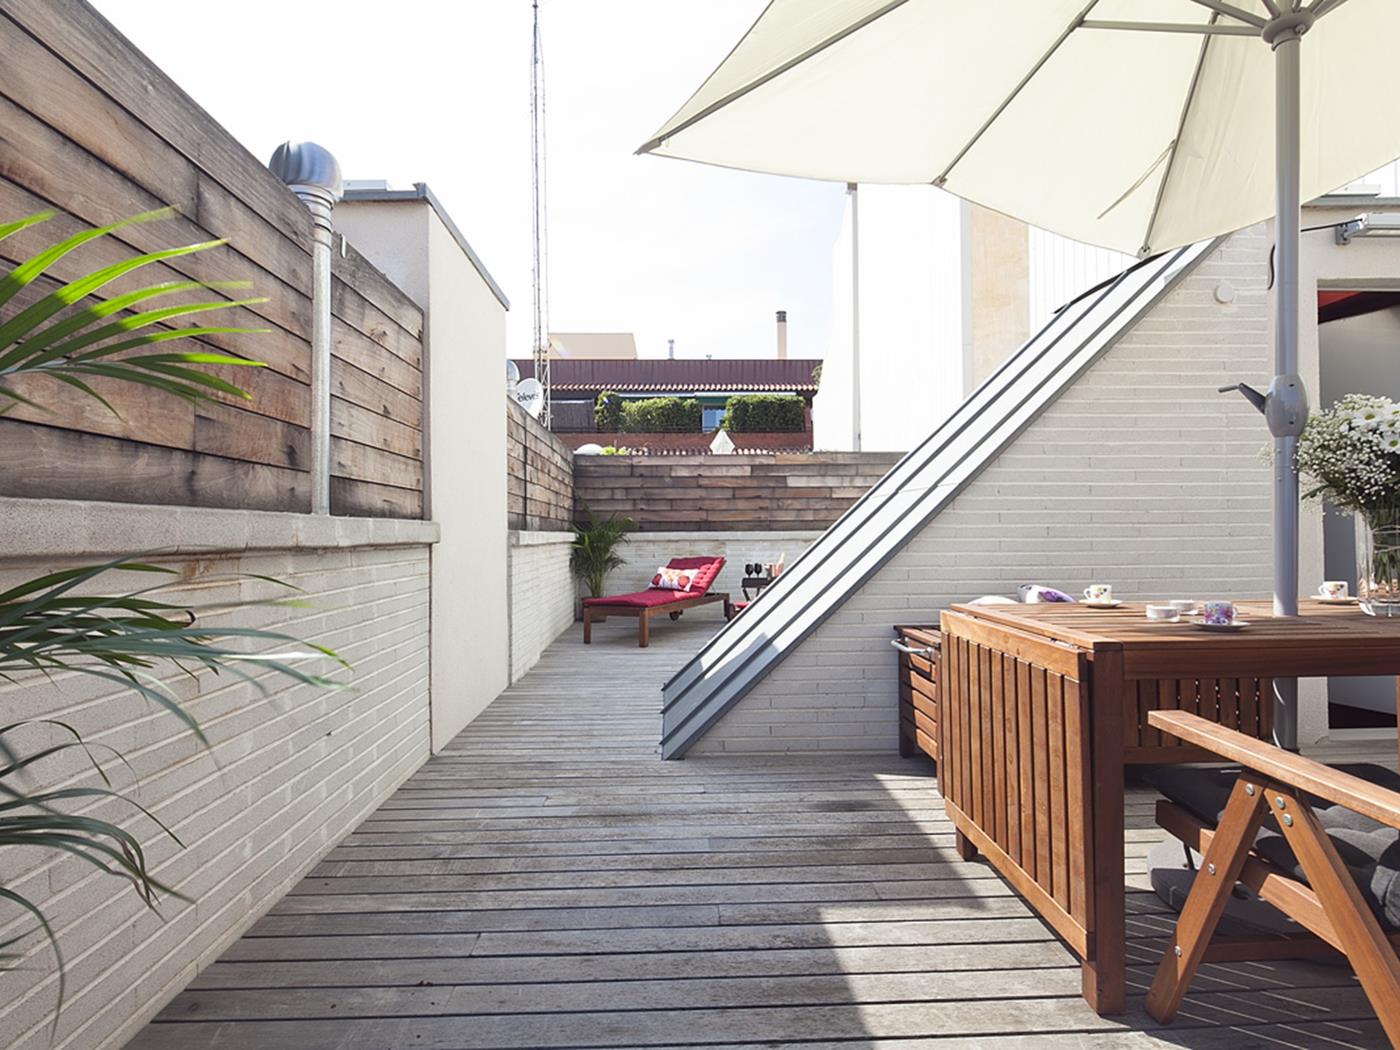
547 881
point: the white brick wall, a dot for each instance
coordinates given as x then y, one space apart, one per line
542 595
287 775
1141 475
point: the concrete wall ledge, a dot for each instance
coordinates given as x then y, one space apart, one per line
52 530
524 538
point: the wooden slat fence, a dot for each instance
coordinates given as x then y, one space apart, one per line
96 132
539 475
776 491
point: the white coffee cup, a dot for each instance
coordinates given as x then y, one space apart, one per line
1333 590
1183 605
1166 613
1098 592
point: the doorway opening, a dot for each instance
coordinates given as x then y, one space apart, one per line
1359 352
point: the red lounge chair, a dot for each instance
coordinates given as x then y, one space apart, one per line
654 600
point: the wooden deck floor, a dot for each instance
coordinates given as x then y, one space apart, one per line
548 882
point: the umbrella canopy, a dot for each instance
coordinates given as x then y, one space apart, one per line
1137 125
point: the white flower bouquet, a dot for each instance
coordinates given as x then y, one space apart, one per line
1351 454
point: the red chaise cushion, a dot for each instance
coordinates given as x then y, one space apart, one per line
645 599
705 569
704 572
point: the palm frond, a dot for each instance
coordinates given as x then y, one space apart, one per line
70 341
594 551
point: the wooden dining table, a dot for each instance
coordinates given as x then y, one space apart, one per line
1042 706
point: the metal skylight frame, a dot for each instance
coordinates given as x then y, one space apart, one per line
910 496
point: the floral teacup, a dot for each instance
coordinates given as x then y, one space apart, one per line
1218 613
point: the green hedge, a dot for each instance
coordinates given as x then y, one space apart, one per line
764 413
661 415
607 412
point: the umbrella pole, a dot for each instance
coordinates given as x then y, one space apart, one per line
1286 407
853 192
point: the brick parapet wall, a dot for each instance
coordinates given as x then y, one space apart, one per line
799 491
539 474
287 772
543 595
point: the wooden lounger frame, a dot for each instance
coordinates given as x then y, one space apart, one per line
600 611
1329 904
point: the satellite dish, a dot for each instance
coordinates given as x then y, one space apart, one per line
529 395
590 449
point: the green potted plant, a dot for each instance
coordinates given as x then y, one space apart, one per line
594 552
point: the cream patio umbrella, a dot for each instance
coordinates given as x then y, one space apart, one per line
1138 125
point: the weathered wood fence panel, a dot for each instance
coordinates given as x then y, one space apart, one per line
728 493
95 132
539 475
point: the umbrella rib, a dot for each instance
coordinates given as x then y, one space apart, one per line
1206 29
1075 24
1176 142
1221 7
777 71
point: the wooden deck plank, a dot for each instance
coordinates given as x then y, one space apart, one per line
548 882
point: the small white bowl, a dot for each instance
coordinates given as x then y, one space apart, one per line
1163 613
1183 605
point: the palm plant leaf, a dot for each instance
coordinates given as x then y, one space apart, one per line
42 920
50 624
594 551
45 626
60 337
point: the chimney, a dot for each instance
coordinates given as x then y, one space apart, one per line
782 335
670 349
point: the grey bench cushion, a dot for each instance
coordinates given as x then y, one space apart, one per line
1370 849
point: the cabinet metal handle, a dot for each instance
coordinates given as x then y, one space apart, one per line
926 653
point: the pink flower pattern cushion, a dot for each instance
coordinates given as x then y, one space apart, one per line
668 579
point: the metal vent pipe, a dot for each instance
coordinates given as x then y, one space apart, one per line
312 173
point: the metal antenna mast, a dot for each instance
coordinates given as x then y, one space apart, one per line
541 245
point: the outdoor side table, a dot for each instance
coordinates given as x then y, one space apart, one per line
1043 705
755 584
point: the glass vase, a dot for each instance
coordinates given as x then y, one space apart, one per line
1378 562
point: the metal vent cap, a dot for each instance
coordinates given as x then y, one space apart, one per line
309 167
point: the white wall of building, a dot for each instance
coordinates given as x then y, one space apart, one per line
910 315
924 309
1061 269
464 350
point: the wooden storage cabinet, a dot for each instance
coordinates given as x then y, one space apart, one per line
919 648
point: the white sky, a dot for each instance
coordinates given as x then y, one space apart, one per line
438 92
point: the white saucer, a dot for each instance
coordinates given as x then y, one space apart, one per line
1112 603
1337 601
1237 625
